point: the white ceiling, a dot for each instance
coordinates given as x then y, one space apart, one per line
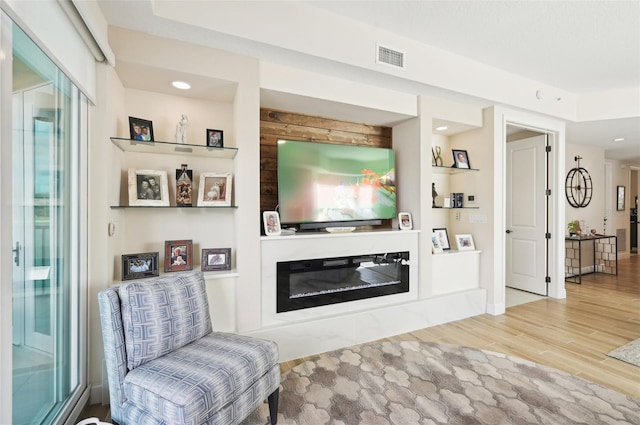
578 46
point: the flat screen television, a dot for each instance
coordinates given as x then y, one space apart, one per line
330 185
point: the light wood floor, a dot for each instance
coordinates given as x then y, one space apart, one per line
574 334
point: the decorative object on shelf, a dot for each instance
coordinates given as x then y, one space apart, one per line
184 187
620 198
434 195
460 159
433 157
271 221
215 259
141 129
214 189
573 227
438 156
178 255
447 203
137 266
148 188
457 200
404 221
215 138
465 243
181 129
436 248
578 186
443 237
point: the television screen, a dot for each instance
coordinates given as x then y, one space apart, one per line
330 183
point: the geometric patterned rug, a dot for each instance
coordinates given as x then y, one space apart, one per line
629 353
384 383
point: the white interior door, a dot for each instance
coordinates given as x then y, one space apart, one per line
526 248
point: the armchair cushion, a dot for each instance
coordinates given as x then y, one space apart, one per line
162 315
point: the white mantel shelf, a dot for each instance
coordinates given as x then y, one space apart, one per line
325 234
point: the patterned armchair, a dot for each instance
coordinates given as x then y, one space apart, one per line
165 364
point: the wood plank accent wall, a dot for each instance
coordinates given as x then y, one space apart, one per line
276 125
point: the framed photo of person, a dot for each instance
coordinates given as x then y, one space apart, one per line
465 243
404 221
215 259
443 238
435 244
141 129
215 138
271 221
178 255
148 188
214 190
460 159
138 266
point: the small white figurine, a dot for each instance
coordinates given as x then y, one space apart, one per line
181 129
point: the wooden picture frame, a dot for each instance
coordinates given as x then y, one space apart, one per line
443 237
465 243
214 259
215 138
271 221
460 159
435 244
140 129
141 265
620 195
148 188
214 189
404 221
178 255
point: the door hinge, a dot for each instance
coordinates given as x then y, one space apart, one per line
547 192
547 279
547 148
547 235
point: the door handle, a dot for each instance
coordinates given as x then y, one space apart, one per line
16 256
509 231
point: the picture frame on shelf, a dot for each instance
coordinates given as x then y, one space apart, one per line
443 238
178 255
148 188
436 248
214 259
141 129
460 159
271 222
139 266
404 221
620 198
214 189
465 242
215 138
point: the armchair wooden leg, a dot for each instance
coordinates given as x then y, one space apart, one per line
273 406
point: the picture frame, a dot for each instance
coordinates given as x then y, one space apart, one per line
460 159
214 189
148 188
465 242
141 265
141 129
443 237
215 138
271 221
436 248
214 259
620 198
404 221
178 255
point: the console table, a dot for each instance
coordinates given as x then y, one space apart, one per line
604 259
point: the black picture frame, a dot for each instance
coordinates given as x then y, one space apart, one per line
171 261
443 237
214 259
137 128
141 265
460 158
215 138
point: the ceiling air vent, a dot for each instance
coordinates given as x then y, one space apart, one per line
391 57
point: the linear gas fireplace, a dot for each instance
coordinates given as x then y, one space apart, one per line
322 281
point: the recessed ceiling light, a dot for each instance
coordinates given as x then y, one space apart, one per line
619 139
442 128
181 85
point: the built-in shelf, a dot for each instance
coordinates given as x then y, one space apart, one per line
455 208
174 207
169 148
450 170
